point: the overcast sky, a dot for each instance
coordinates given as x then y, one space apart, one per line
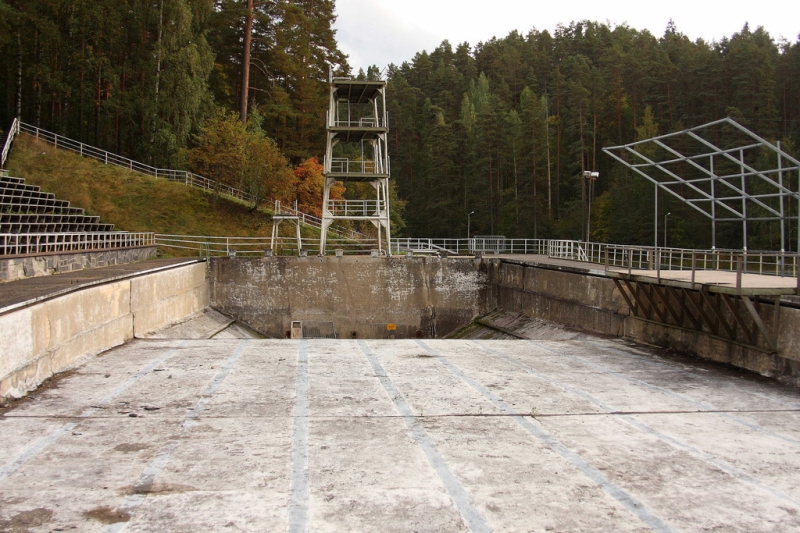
380 32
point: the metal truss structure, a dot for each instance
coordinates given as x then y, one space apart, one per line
356 152
723 171
735 316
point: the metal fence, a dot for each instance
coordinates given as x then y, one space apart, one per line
493 245
209 246
645 258
356 208
12 132
613 255
341 165
16 244
366 122
315 221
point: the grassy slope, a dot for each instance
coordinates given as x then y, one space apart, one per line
131 201
135 202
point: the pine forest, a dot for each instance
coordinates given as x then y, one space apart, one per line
496 134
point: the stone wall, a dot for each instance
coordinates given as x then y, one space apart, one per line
14 268
371 297
52 336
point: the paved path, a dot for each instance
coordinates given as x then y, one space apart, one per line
342 435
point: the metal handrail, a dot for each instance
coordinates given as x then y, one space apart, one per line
356 208
612 256
617 256
184 176
16 244
315 221
367 122
12 133
341 165
207 245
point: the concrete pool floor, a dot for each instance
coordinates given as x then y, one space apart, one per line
585 434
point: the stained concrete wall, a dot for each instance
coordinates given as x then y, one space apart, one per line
575 300
592 303
14 268
52 336
421 296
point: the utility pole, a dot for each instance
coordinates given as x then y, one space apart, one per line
592 177
469 217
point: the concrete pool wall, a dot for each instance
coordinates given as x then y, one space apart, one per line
51 336
360 297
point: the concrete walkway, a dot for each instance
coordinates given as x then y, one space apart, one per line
19 293
344 435
760 284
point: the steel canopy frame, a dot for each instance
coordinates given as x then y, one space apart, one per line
732 178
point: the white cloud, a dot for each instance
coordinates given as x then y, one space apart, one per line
391 31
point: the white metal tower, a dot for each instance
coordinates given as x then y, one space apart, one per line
356 152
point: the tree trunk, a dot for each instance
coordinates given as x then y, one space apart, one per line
158 78
248 30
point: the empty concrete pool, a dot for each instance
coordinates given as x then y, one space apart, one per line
584 434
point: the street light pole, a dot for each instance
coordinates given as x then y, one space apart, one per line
665 229
469 217
591 176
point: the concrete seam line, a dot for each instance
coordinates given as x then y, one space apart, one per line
623 497
220 329
461 498
152 471
679 396
32 449
675 443
297 517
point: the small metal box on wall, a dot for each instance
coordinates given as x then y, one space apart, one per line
297 330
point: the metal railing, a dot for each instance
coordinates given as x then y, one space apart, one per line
368 122
340 165
611 256
356 208
648 258
315 221
12 132
484 245
183 176
14 244
205 245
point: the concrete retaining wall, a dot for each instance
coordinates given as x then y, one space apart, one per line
593 303
394 297
52 336
14 268
575 300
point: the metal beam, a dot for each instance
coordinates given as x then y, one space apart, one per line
625 296
772 341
